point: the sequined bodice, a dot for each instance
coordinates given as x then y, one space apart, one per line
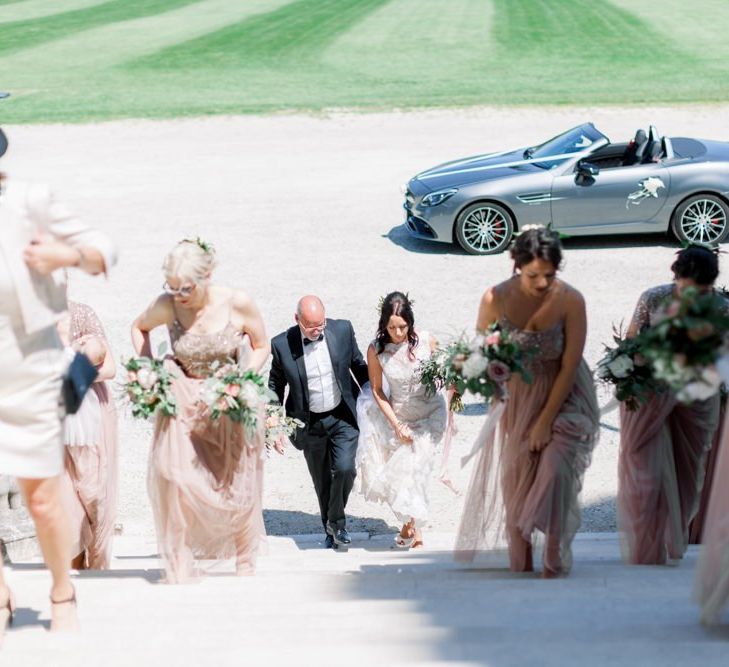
542 349
197 352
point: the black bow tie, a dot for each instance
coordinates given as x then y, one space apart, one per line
307 341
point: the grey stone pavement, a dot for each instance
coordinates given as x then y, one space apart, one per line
312 203
371 605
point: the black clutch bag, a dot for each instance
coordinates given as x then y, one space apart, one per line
77 381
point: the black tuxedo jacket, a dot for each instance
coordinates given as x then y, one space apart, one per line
288 368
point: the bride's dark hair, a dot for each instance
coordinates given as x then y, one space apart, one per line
699 263
396 303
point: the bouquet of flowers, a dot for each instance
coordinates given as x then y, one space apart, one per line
482 365
149 387
684 345
277 424
627 369
235 393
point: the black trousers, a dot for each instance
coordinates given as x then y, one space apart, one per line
330 448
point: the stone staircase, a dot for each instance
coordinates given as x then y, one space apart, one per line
370 605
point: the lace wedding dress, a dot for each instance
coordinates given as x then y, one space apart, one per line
389 471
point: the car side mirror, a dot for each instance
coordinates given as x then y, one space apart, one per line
588 169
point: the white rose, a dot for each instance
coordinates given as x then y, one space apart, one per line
146 377
475 366
621 366
696 391
249 394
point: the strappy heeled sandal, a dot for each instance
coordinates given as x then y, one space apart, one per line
72 601
10 608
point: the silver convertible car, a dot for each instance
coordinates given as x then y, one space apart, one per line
580 183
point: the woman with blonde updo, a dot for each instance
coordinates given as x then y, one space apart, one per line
205 477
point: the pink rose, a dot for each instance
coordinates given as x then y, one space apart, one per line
458 361
132 376
639 359
232 389
673 309
493 338
221 404
703 330
498 371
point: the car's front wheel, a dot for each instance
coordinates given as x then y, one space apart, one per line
701 219
484 228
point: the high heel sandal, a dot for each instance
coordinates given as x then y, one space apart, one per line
10 608
72 601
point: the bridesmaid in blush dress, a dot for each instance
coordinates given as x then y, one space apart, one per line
663 444
205 477
712 576
528 476
90 438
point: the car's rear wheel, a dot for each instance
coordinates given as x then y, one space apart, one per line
484 228
701 219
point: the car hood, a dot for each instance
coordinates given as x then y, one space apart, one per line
490 166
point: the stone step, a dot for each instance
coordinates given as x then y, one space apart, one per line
369 605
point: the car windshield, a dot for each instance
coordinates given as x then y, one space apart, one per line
572 141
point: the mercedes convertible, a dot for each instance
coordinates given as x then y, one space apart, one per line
579 183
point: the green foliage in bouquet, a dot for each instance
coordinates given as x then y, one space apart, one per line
236 394
684 344
628 370
482 365
149 387
278 424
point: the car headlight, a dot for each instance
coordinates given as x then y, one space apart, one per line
435 198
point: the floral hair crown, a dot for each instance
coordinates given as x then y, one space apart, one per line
381 302
703 246
549 228
206 247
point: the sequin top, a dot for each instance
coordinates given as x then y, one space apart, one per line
542 350
83 321
196 352
649 305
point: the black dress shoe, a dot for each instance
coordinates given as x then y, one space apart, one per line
329 542
341 536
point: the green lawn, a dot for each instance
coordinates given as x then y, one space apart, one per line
76 60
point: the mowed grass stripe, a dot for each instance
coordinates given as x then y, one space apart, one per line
30 33
298 31
386 48
24 10
700 28
575 29
64 61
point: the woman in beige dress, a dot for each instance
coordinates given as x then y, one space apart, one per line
90 439
205 476
37 238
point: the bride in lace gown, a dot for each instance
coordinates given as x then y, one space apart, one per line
205 476
528 476
400 431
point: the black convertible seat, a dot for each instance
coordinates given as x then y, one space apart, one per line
634 153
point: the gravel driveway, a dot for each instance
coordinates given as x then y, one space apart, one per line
298 204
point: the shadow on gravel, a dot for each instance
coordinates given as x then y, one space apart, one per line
400 236
288 522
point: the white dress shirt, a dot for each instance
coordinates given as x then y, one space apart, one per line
324 394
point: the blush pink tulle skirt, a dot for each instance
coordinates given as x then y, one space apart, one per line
514 492
89 482
205 483
712 576
661 468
